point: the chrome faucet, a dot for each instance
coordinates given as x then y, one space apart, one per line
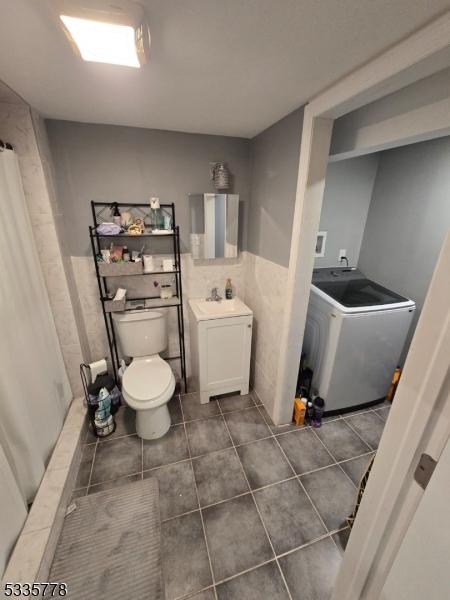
214 296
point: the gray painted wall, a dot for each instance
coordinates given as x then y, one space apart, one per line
348 192
125 164
274 156
408 218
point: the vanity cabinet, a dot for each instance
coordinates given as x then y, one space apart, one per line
220 354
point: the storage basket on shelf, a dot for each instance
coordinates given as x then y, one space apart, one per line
119 269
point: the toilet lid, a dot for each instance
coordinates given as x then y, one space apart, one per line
146 379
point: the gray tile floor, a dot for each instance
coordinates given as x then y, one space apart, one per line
248 509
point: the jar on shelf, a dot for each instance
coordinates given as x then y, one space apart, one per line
166 291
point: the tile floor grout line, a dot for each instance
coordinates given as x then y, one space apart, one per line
200 511
283 433
334 458
299 480
316 510
115 479
92 467
376 411
236 575
188 512
328 534
191 595
355 457
336 463
219 413
177 462
356 433
229 412
257 507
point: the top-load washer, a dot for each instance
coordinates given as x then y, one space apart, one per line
354 336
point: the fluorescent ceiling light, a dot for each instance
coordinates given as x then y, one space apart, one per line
103 42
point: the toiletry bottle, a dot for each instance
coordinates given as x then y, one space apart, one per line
115 213
393 386
126 254
155 214
228 290
309 411
318 410
299 411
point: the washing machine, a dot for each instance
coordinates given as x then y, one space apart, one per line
355 333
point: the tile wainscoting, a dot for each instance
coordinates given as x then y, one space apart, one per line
264 293
259 282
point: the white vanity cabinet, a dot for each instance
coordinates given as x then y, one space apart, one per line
220 336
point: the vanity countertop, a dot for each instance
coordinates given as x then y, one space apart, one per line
204 310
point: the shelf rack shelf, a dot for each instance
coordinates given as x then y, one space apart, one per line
132 236
100 214
143 273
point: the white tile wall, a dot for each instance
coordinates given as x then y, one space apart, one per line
264 293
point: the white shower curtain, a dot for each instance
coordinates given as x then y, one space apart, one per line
34 389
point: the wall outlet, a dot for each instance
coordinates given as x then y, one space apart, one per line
342 254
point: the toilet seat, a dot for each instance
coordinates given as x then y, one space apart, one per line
148 382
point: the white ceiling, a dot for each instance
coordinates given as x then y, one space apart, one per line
230 67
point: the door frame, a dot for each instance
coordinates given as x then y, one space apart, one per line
414 58
419 422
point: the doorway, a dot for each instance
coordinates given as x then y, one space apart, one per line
417 57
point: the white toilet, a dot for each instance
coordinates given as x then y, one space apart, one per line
148 383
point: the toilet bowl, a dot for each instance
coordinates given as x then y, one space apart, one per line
147 386
148 382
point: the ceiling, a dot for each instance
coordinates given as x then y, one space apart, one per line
229 67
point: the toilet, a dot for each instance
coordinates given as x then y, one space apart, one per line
148 383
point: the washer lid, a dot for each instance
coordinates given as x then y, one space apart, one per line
358 293
147 378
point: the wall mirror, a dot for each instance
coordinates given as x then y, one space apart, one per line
214 225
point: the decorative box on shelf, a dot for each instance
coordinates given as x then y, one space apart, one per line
119 269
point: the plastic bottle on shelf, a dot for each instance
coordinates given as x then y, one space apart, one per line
155 214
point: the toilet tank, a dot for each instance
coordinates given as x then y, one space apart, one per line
142 332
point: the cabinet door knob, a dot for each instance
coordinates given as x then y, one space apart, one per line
249 326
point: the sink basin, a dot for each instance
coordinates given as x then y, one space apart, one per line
204 310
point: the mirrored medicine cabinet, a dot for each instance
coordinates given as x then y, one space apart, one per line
214 225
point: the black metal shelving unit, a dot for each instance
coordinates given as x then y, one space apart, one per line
100 214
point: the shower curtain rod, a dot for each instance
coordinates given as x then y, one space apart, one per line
5 146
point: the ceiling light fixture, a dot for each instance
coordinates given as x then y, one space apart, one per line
112 36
